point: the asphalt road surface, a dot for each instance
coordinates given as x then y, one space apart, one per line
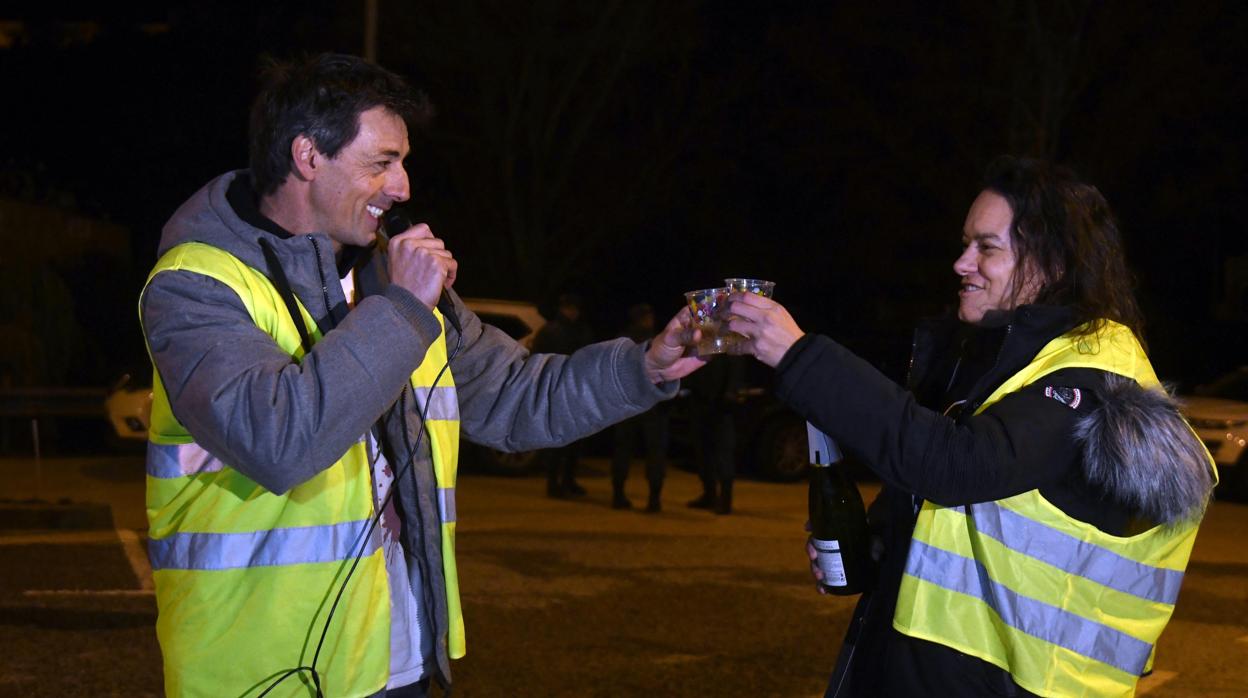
562 598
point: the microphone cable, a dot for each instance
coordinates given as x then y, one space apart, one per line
450 317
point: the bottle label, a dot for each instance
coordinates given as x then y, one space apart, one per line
829 562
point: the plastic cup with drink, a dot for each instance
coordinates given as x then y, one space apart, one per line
735 343
706 306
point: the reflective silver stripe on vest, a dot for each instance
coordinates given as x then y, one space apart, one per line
1065 552
446 503
1049 623
179 460
444 405
279 546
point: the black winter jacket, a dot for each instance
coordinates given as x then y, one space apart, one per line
1023 442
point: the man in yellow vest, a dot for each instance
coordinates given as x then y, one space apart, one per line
1041 491
311 383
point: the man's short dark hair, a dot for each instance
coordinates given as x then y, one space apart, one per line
321 97
1064 231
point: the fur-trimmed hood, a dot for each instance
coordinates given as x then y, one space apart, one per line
1138 447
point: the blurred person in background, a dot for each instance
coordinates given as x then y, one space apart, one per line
565 333
647 432
714 396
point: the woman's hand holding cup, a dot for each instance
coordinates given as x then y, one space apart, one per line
768 328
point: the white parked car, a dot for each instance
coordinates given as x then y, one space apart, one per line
1218 411
129 409
519 319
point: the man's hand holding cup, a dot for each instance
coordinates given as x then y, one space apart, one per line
667 357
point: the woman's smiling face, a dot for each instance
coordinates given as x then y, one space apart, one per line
987 266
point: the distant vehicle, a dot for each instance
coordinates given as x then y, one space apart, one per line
771 438
129 409
775 447
1218 412
519 319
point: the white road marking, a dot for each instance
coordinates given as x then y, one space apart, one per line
137 556
88 592
1154 681
131 545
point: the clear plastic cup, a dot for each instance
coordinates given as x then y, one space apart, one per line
755 286
735 343
707 307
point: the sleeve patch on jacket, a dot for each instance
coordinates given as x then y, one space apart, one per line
1071 397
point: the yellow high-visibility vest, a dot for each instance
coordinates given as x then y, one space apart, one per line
1065 608
245 577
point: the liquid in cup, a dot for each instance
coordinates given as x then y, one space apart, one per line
735 343
756 286
706 305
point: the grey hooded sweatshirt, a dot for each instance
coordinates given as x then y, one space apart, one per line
280 422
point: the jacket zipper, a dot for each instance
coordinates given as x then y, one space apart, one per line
429 602
422 559
916 501
914 349
320 271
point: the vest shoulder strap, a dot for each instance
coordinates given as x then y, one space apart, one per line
257 292
1113 348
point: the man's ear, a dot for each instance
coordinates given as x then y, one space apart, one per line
305 156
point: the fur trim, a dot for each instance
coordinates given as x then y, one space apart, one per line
1139 448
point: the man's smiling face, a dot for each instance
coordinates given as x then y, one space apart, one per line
353 189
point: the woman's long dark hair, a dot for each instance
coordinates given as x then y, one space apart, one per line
1064 232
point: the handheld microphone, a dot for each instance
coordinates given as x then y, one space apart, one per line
395 221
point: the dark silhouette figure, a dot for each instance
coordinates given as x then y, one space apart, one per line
564 334
714 395
648 429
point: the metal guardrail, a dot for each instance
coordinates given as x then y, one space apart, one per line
52 402
36 403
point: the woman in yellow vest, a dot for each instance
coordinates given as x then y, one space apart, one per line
1041 491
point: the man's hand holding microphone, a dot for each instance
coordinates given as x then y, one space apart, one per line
418 261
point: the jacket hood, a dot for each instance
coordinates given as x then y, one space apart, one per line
306 259
209 218
1137 446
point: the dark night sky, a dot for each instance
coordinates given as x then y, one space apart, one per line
833 149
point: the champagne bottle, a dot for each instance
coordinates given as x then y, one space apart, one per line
838 520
